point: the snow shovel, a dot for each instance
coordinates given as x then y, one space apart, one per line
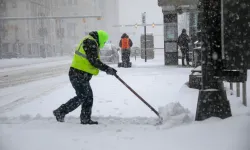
157 113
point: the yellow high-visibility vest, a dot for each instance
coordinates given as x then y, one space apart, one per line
80 60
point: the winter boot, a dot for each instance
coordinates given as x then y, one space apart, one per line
89 122
59 114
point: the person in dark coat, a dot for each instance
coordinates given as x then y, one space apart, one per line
85 64
182 42
125 44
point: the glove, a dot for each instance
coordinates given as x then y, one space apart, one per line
111 71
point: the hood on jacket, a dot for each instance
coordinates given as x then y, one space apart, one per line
124 35
184 31
100 36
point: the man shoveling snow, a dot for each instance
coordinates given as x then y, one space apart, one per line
85 64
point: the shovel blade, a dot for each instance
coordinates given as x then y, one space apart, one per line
160 121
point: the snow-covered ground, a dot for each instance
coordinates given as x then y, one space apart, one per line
17 62
18 71
27 123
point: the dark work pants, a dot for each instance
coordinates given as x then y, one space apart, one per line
185 53
125 55
84 95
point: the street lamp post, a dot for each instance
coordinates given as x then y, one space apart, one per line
145 34
212 100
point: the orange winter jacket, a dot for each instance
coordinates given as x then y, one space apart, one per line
125 43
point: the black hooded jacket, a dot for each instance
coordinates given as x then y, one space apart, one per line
183 40
124 35
91 50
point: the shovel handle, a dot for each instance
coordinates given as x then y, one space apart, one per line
138 96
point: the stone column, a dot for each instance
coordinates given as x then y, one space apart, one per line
170 38
193 25
192 34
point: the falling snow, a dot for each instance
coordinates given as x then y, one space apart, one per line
60 90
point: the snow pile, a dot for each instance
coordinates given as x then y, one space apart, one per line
174 114
197 73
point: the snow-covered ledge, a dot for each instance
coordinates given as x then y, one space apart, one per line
175 5
177 2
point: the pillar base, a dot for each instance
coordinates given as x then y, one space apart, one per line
171 58
212 103
195 81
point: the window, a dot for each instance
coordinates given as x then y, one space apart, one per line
70 2
60 33
14 46
29 49
71 29
35 48
3 4
6 47
31 8
27 6
54 49
55 3
64 3
1 25
14 4
27 28
75 2
5 32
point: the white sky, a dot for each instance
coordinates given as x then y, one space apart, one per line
130 13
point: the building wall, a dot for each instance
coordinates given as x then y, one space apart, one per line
24 36
107 8
110 11
74 29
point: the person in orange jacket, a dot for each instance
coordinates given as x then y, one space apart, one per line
125 44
